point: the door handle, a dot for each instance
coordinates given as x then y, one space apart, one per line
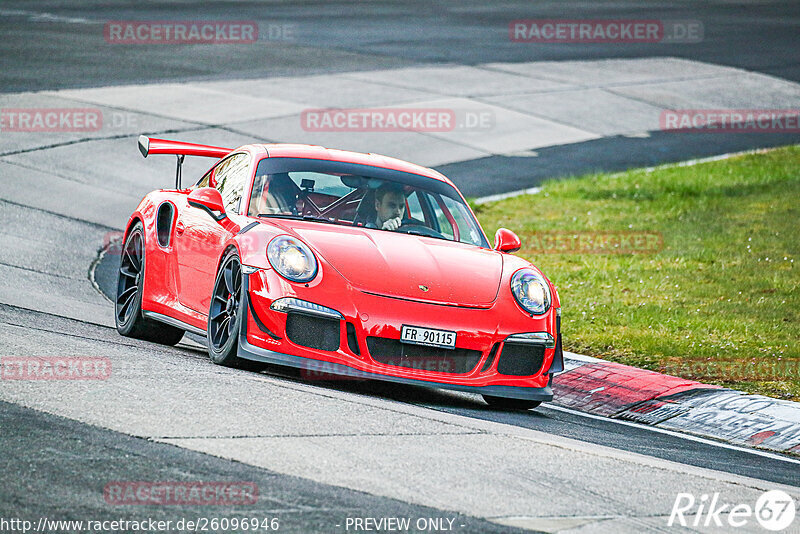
179 228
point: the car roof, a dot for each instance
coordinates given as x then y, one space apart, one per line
291 150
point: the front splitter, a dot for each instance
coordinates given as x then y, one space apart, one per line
248 351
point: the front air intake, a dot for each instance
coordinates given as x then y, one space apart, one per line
520 359
313 332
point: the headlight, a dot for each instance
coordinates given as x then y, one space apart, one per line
531 291
292 259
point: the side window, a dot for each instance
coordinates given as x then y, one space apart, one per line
205 181
230 178
445 228
463 221
208 178
414 207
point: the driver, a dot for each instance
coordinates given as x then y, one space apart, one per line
390 205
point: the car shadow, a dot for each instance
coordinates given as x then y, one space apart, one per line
470 404
446 400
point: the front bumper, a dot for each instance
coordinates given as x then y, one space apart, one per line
251 352
263 338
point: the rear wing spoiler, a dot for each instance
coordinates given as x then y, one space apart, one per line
149 146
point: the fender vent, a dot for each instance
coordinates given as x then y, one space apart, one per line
164 223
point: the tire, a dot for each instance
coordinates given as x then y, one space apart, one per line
128 303
225 315
503 403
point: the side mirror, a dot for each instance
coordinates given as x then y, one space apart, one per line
208 199
506 241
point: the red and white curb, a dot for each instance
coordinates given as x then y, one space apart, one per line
622 392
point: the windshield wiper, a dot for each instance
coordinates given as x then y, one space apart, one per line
423 234
280 216
299 217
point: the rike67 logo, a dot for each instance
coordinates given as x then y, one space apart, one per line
774 511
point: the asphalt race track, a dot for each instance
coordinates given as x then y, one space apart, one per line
59 45
324 453
44 45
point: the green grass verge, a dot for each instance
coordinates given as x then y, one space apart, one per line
719 302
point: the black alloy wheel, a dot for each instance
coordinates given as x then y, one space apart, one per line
128 315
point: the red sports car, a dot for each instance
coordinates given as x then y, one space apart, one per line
338 263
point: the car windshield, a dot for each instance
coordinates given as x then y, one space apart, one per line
365 200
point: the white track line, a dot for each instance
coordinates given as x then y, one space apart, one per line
503 196
676 434
37 16
688 163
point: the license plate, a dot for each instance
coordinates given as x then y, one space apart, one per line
428 336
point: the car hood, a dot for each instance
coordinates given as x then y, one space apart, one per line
406 266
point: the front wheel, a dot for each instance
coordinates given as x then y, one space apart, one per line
225 313
503 403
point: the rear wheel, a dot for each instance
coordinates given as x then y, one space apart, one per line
130 285
503 403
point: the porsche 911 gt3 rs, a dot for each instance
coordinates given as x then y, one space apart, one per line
285 254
